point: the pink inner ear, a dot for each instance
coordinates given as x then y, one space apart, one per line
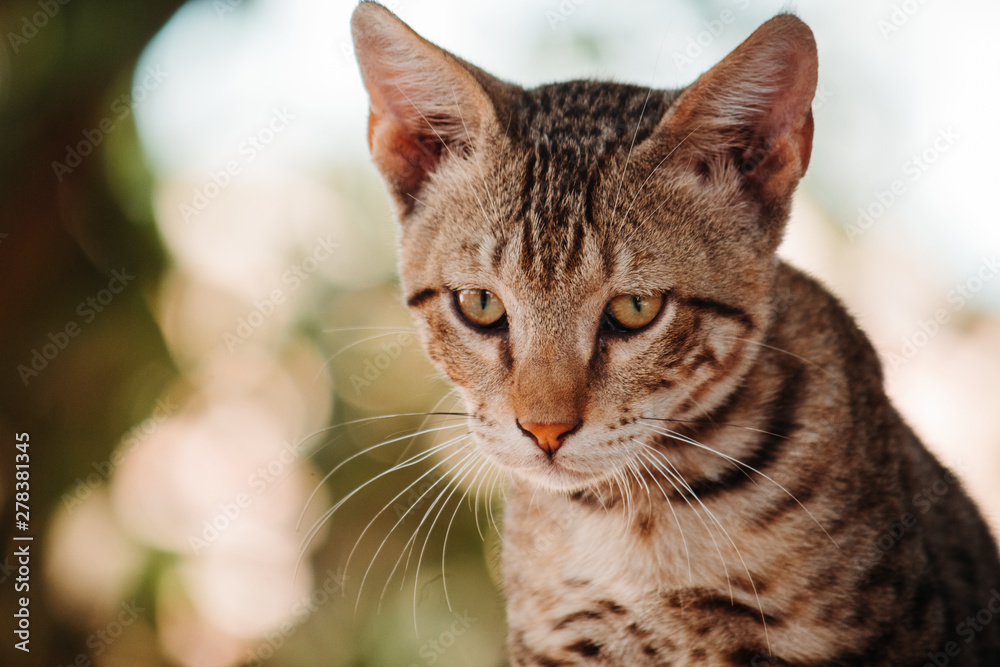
405 157
753 109
784 162
423 101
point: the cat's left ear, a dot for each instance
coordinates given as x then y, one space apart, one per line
427 105
750 116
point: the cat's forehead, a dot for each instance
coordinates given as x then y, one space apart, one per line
585 120
564 141
553 208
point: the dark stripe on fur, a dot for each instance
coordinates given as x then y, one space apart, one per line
585 647
721 309
721 607
770 445
527 246
419 298
577 616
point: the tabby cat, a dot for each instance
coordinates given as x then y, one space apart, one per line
699 430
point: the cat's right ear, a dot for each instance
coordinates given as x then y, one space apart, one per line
426 104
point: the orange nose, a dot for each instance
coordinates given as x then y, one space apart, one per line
548 437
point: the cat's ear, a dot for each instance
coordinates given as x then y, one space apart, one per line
426 104
750 116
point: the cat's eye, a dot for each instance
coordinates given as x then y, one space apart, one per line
481 308
630 312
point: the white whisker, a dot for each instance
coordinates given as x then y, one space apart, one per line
330 512
673 512
677 436
732 543
448 481
778 349
416 578
355 344
340 465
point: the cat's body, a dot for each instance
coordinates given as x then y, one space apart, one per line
593 265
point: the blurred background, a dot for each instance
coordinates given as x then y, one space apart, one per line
201 317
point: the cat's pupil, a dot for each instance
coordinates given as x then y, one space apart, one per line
484 297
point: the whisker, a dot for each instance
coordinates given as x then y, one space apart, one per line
739 554
642 112
422 456
715 424
626 497
355 344
443 143
430 529
670 506
447 532
403 516
464 462
423 424
363 420
366 450
670 476
737 462
479 167
489 506
475 511
422 203
783 351
643 186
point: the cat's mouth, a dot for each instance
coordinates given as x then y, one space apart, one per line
583 461
556 474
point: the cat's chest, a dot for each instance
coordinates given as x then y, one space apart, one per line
619 552
583 585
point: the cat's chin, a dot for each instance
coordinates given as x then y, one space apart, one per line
560 479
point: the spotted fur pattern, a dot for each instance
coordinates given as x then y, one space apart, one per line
738 489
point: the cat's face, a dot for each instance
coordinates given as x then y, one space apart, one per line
585 257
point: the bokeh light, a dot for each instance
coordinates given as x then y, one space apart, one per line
190 443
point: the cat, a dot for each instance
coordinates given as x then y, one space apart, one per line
699 430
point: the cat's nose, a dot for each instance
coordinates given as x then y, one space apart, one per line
548 437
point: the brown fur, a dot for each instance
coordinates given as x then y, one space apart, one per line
557 200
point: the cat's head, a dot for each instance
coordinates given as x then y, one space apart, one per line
584 255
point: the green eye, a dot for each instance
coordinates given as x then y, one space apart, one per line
628 312
481 308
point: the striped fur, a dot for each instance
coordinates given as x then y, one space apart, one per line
822 545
